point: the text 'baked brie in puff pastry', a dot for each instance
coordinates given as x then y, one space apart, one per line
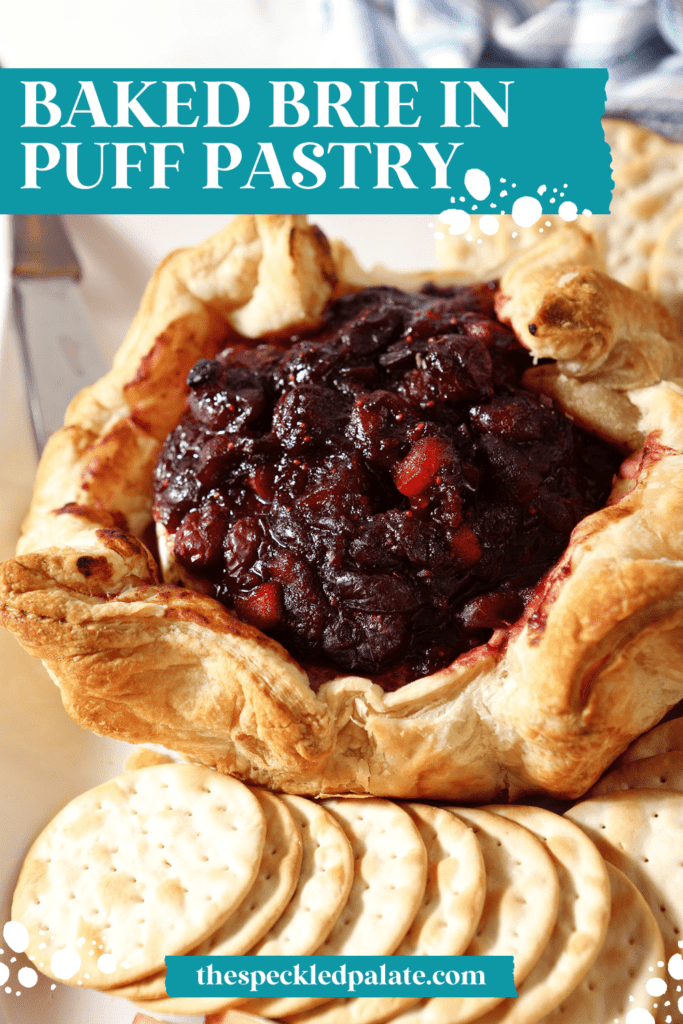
517 686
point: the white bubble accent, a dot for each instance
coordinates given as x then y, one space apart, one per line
675 966
106 963
525 211
488 224
65 964
458 221
542 189
639 1017
27 977
568 211
503 193
4 973
587 213
8 990
15 935
477 183
439 236
80 942
655 987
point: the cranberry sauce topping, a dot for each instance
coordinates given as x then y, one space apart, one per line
381 495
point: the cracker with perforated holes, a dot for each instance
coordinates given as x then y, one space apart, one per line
582 918
633 954
444 924
390 876
519 914
139 868
640 831
266 900
321 893
661 771
664 737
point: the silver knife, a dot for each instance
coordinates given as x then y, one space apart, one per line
58 351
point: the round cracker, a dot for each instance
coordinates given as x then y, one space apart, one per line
665 273
144 866
640 831
632 955
445 922
661 771
582 918
663 738
512 923
322 890
272 890
390 876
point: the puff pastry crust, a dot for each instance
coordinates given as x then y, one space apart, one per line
596 659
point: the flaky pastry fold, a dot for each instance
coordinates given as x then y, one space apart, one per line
596 659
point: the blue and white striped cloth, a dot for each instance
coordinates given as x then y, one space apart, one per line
640 42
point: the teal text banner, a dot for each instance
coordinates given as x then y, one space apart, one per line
340 976
485 141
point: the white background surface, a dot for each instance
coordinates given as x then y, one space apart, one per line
45 759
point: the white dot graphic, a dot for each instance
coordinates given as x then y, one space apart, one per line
27 977
458 221
488 224
477 183
656 987
587 213
64 964
639 1017
525 211
567 210
106 963
542 189
676 966
16 936
4 973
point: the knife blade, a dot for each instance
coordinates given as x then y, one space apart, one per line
58 351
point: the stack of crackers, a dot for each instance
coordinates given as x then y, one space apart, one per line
174 859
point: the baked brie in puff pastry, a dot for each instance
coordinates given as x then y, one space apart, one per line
538 703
